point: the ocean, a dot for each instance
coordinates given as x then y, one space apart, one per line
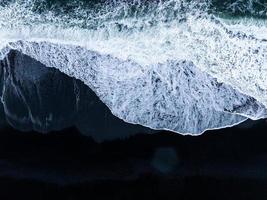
156 97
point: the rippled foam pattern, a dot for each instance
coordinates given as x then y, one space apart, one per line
180 65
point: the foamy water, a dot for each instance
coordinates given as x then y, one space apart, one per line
120 49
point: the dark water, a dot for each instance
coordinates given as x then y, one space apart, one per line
248 8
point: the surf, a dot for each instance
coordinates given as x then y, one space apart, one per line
159 52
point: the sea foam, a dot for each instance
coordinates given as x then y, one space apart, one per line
172 65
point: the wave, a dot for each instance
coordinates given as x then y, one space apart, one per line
176 65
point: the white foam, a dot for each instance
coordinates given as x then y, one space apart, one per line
119 58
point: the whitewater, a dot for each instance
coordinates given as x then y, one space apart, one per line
179 65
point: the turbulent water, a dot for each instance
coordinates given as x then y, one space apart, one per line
180 65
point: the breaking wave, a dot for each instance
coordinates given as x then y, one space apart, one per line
180 65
